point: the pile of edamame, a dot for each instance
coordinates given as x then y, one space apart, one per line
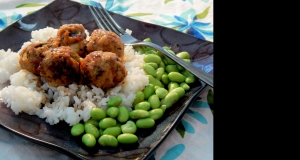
168 82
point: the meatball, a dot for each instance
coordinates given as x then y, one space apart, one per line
107 41
32 55
102 69
60 67
73 35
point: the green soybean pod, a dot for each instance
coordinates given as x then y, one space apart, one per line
123 115
127 138
184 85
140 49
170 99
145 105
88 140
172 85
145 123
154 101
165 79
147 40
148 91
114 101
180 68
108 140
93 122
97 114
77 129
152 64
149 70
138 114
107 122
172 68
129 127
139 97
152 58
112 112
176 77
89 128
164 60
156 113
101 131
179 90
186 73
163 107
166 47
114 131
161 92
156 87
159 72
183 55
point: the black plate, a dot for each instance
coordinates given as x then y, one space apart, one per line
58 136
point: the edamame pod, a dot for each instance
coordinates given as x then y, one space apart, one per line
149 70
138 114
114 101
112 111
129 127
170 99
149 90
156 113
107 122
154 101
123 115
162 65
169 61
89 128
88 140
127 138
152 58
145 123
114 131
179 90
77 129
176 77
108 140
143 105
161 92
190 79
139 97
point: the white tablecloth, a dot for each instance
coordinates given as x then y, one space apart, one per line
193 17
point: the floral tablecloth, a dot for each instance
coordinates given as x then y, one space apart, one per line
193 137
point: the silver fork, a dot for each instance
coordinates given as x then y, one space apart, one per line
105 21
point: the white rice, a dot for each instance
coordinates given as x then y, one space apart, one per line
32 94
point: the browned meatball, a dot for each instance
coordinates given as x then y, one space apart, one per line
102 69
107 41
32 55
60 67
73 35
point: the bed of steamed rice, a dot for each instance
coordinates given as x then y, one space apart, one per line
31 94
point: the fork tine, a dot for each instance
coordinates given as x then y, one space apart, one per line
105 21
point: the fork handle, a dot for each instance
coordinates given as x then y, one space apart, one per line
205 77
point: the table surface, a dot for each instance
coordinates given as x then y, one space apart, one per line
193 17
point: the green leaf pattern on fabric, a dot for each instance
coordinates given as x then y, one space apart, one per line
167 1
29 5
203 14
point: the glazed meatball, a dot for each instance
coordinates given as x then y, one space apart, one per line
60 67
102 69
107 41
73 35
32 55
